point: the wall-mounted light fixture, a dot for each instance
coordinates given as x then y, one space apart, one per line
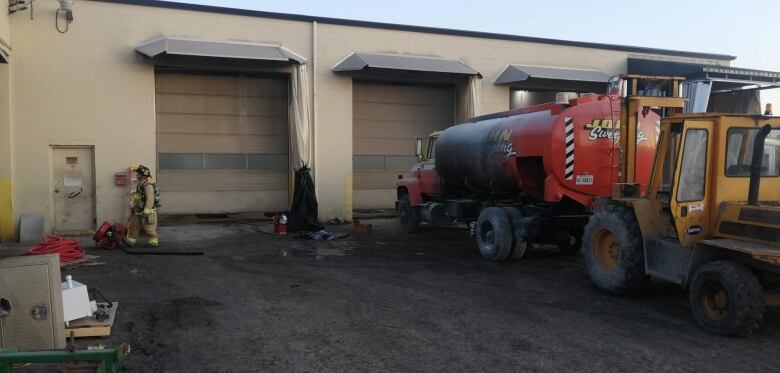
65 11
66 8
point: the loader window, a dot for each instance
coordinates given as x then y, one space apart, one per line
693 170
670 162
739 152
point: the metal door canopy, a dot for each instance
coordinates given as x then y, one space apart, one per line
552 78
178 46
358 61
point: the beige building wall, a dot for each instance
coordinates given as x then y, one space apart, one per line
88 87
7 225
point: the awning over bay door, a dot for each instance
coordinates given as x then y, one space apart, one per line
550 78
395 99
222 125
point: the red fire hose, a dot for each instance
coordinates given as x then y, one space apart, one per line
68 249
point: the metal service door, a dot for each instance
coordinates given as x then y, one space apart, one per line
73 189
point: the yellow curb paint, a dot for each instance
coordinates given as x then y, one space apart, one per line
7 226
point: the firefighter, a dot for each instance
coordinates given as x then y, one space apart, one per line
143 216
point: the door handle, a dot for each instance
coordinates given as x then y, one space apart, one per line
684 211
76 193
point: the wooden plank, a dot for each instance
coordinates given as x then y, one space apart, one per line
89 327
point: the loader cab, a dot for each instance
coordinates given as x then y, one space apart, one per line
704 163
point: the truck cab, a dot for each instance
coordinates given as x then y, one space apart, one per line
421 183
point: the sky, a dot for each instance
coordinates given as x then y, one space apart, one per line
748 29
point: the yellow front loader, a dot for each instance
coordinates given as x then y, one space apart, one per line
709 221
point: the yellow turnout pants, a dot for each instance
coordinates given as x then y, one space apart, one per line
145 223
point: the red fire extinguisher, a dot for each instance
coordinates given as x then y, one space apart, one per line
280 223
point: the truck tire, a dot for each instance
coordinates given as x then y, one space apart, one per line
614 252
494 234
519 243
727 299
408 216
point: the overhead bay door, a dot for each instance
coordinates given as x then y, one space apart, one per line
222 143
386 120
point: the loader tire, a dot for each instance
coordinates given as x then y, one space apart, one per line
408 216
494 234
727 299
614 252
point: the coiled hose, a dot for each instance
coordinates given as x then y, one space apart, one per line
68 249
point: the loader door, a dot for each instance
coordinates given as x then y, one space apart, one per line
689 202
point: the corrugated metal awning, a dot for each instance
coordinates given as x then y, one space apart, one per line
176 46
558 78
357 62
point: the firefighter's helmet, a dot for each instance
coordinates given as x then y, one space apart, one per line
143 171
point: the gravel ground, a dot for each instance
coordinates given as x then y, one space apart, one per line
388 301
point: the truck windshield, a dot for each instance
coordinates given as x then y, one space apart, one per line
739 152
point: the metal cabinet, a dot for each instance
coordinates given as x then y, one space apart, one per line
31 315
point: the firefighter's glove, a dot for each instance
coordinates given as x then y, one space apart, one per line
148 211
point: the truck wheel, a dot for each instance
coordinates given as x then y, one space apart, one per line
494 234
727 299
613 251
408 216
519 243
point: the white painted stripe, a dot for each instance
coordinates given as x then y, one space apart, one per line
569 148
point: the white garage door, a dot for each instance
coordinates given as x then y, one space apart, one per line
222 143
386 120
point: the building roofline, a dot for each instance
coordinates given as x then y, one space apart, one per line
422 29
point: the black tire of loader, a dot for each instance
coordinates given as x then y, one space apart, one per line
628 277
745 311
494 234
408 216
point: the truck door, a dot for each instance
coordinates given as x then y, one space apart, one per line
429 179
689 202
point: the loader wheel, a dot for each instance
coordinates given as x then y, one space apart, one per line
613 251
727 299
519 243
494 234
408 215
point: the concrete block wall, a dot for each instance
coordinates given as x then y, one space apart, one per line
88 87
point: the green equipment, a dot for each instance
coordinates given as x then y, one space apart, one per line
108 357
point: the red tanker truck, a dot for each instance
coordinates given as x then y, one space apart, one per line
532 175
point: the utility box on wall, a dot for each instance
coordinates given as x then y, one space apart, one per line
31 316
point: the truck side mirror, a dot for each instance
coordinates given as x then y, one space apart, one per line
418 150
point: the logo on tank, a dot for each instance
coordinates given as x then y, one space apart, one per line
498 142
605 129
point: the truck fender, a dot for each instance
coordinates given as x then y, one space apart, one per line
411 188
